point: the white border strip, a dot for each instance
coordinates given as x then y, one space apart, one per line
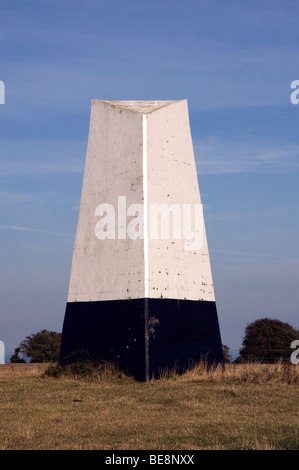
2 92
145 202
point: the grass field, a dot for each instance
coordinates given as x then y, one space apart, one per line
250 406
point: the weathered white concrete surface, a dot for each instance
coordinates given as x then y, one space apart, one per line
175 272
108 269
140 150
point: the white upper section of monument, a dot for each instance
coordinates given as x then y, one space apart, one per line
139 154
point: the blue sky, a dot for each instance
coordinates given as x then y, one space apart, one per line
233 61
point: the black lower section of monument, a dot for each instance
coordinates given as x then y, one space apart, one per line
143 337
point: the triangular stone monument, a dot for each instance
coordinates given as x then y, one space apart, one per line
141 291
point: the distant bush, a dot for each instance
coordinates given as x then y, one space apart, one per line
15 358
226 355
267 340
43 346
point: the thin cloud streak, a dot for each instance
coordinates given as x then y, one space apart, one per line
216 156
42 157
42 170
28 229
253 254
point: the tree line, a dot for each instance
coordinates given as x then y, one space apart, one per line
265 340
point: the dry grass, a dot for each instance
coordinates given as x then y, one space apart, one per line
249 406
257 373
22 370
